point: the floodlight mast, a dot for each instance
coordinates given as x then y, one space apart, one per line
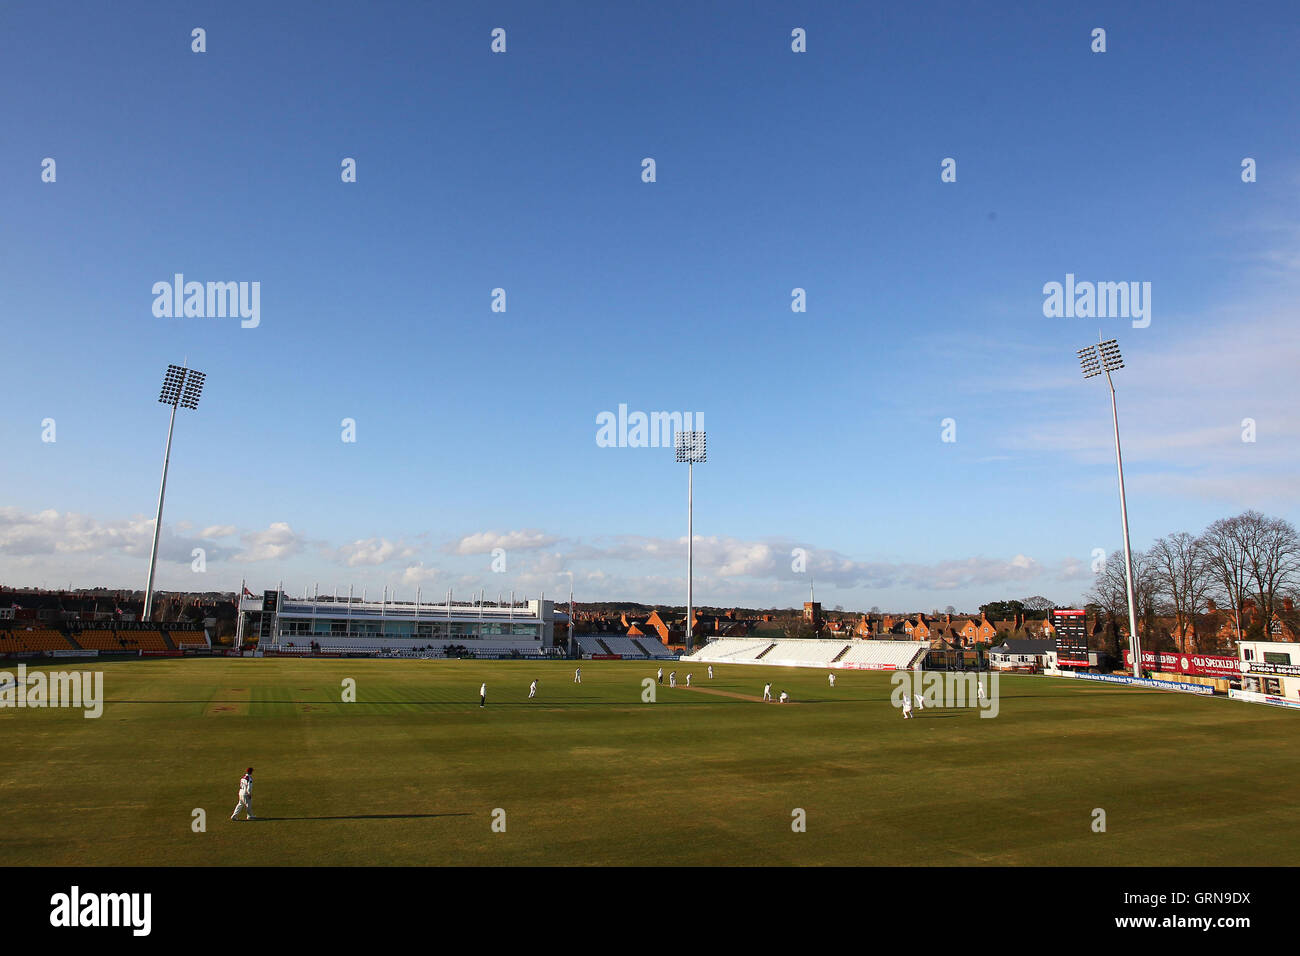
691 447
1111 360
570 574
182 387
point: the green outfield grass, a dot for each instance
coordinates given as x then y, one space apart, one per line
412 772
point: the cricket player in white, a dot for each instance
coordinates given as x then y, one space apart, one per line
688 680
784 697
672 679
482 695
532 690
661 675
920 702
767 692
577 676
245 796
907 708
979 690
710 672
831 678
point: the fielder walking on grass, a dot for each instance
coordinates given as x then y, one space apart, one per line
245 796
577 676
482 695
532 690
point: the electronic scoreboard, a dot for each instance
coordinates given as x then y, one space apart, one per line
1071 637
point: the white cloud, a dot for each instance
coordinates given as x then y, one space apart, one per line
418 574
373 551
275 543
484 541
50 532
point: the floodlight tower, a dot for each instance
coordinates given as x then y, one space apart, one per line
1110 360
691 447
570 574
181 388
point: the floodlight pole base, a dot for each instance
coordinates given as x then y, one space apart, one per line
1135 643
690 554
157 523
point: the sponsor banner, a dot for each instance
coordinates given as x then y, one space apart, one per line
606 657
1255 698
1197 665
71 652
198 652
1273 670
1205 690
162 653
853 666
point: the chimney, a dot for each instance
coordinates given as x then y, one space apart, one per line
1287 605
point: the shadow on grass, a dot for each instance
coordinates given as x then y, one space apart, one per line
365 816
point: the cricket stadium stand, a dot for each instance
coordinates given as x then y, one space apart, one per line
834 654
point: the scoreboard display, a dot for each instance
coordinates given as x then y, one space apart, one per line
1071 637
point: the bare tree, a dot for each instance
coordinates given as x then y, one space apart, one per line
1038 604
1272 558
1182 572
1110 589
1229 564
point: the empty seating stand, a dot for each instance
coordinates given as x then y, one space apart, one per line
112 641
183 639
22 640
734 650
847 654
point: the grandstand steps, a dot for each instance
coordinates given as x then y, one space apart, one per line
847 648
640 647
759 656
73 641
604 645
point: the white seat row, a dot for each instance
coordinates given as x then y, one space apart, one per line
805 652
732 649
898 654
833 654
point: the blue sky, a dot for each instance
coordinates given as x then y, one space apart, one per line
775 170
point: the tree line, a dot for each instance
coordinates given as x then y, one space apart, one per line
1251 559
